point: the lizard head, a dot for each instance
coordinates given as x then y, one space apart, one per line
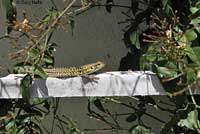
94 67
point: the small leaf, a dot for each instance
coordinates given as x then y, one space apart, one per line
10 124
36 101
40 72
164 2
45 20
194 10
194 15
48 59
91 99
196 51
22 67
34 53
36 128
165 72
23 118
192 55
14 129
25 85
11 12
197 4
190 76
90 102
138 129
187 37
135 39
42 102
22 130
188 117
195 22
189 121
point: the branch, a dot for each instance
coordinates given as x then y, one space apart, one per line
194 84
55 22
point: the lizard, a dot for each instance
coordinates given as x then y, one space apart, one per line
62 72
83 70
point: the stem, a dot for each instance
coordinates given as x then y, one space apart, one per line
192 97
55 22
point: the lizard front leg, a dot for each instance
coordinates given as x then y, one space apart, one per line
91 77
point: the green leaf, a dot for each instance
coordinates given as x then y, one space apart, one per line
37 129
46 18
10 124
192 54
188 117
22 67
24 118
188 36
195 22
190 76
135 39
197 4
151 57
164 2
9 6
194 10
40 72
167 6
138 129
36 101
171 65
14 129
25 85
23 130
91 99
34 53
165 72
196 51
11 12
48 59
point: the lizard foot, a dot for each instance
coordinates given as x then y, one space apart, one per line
90 78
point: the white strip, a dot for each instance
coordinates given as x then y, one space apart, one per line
108 84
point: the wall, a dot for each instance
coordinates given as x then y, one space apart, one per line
97 36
